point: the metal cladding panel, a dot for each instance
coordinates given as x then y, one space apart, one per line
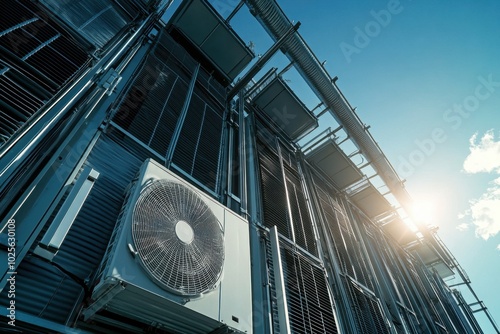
284 108
371 201
330 159
201 24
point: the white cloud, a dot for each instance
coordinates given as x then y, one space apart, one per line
485 212
498 247
484 156
463 227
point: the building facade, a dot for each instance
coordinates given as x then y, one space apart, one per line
154 180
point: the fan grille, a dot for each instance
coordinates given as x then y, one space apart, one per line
178 238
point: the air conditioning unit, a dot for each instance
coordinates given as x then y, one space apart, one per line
178 260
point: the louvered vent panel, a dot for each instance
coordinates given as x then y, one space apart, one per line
331 216
309 304
36 59
212 86
446 302
422 291
96 20
153 104
17 104
151 109
170 51
198 149
274 200
367 311
302 223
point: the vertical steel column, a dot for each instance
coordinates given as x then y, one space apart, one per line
242 153
284 321
182 117
261 305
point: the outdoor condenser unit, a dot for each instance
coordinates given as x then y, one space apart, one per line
177 259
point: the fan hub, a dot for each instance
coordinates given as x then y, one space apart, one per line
184 232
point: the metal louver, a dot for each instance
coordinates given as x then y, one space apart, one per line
178 239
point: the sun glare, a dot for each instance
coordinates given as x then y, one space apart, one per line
424 212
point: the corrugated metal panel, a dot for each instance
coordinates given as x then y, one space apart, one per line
45 291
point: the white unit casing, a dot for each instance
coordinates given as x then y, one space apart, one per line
148 273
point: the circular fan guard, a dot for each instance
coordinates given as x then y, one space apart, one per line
178 239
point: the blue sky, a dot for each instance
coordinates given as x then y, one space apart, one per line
425 75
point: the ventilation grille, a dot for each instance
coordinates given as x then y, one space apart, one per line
178 239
